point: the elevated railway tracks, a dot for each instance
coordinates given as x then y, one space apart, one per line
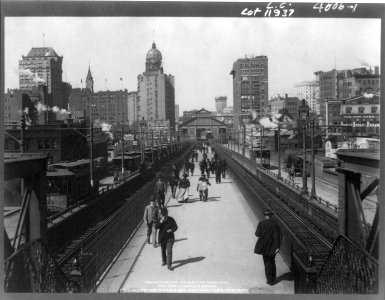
322 260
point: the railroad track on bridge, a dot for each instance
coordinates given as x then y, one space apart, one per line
96 248
306 236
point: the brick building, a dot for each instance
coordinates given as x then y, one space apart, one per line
250 88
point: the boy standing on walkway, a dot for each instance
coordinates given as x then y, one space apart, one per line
203 188
150 218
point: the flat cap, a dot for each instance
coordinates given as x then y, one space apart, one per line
268 213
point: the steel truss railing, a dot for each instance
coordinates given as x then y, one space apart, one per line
32 269
349 269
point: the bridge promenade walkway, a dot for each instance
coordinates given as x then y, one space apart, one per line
213 250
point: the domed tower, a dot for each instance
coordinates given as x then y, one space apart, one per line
153 59
89 80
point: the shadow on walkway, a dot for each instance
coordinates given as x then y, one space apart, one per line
187 261
213 198
182 239
168 206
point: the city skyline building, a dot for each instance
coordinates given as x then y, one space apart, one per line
344 84
309 91
132 107
156 90
43 66
109 107
176 112
220 103
250 88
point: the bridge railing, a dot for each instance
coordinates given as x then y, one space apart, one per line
33 270
324 215
96 253
348 270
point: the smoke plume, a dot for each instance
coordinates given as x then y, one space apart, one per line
368 95
41 107
26 72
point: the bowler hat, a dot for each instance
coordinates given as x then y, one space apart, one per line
268 213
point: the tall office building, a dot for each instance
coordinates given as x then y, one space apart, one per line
43 66
308 90
220 103
250 88
156 90
176 112
132 102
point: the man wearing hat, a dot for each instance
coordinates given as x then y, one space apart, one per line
184 185
269 241
167 226
150 218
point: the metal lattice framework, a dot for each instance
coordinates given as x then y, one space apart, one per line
348 270
33 269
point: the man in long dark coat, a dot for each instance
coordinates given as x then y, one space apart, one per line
167 226
269 241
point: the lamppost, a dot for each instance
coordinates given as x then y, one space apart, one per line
251 144
261 151
304 176
122 152
279 149
244 138
143 126
304 116
313 192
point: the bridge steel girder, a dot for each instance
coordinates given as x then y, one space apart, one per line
31 168
351 218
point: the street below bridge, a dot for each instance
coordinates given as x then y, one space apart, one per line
213 250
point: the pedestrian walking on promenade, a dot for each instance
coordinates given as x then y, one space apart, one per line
192 167
218 171
269 241
202 166
203 188
186 166
196 155
167 226
223 168
216 156
204 156
208 168
291 173
160 191
175 170
212 165
173 181
184 185
150 218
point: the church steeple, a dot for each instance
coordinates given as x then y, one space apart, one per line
89 80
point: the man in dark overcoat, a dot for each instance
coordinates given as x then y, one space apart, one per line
269 241
167 226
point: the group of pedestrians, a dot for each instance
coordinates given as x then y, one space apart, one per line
158 220
161 227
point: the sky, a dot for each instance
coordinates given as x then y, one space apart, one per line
199 52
